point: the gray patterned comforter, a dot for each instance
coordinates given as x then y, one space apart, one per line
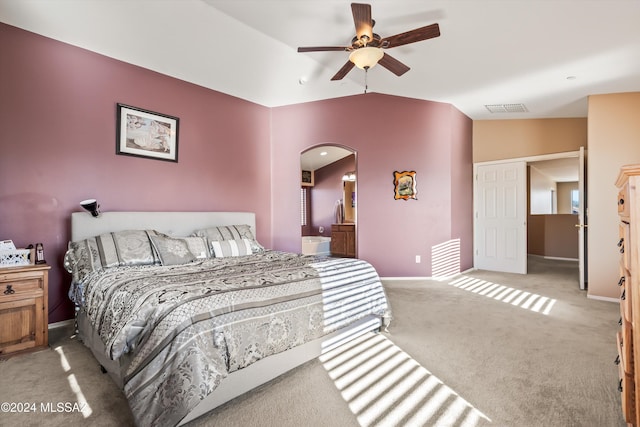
180 330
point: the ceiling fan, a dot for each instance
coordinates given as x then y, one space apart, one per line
367 47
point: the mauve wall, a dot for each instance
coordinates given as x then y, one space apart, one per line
58 112
462 186
389 133
326 191
57 115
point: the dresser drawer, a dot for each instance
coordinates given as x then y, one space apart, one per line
623 201
625 349
624 244
624 283
625 345
627 391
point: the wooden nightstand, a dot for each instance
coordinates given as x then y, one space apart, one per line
24 318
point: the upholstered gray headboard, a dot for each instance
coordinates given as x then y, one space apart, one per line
83 225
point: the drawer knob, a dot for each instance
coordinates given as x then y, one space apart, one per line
9 290
617 361
621 201
620 242
623 296
620 386
621 281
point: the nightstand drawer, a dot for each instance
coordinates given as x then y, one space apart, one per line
20 287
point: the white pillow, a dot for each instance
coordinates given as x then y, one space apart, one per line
227 248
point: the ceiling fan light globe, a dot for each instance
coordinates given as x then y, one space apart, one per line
366 57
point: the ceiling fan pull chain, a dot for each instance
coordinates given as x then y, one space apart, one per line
366 73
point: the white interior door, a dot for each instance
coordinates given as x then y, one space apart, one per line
500 217
582 222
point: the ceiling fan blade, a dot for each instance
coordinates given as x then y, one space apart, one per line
393 65
323 49
362 18
343 71
419 34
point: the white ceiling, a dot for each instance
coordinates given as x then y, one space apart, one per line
319 157
490 51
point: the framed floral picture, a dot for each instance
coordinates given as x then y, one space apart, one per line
307 178
145 133
405 185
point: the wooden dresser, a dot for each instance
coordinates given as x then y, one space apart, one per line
343 240
24 319
628 337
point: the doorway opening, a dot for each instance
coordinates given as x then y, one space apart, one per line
533 206
328 200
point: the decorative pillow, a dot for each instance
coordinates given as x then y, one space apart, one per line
176 250
82 258
128 247
230 232
227 248
197 246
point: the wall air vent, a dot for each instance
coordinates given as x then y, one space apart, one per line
506 108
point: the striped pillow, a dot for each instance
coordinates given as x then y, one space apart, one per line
127 247
230 232
226 232
228 248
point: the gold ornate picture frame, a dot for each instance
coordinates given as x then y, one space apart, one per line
405 185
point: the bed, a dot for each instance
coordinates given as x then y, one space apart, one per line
186 310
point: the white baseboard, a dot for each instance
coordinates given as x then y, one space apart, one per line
61 324
439 279
405 278
553 257
609 299
557 258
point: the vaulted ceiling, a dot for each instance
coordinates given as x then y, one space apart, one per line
548 56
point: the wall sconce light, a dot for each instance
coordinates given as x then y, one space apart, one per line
349 176
92 206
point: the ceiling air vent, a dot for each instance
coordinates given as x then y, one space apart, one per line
506 108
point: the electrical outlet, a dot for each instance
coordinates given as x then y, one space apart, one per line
417 259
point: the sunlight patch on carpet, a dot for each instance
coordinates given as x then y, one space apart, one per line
384 386
83 405
516 297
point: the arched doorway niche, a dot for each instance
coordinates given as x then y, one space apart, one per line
328 196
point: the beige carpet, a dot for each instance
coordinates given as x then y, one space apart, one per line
482 349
